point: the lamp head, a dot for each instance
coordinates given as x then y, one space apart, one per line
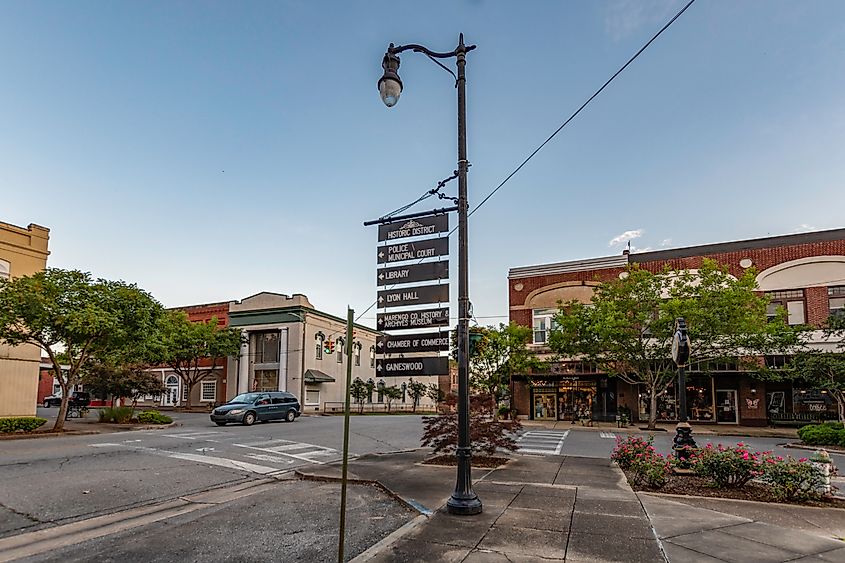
389 85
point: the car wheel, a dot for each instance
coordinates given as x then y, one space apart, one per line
290 416
220 423
249 419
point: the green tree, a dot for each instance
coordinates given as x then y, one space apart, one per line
823 369
69 311
193 350
359 392
496 356
121 380
416 390
436 394
627 329
391 393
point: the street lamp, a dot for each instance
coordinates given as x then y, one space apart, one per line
463 499
683 441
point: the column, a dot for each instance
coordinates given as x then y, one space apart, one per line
243 364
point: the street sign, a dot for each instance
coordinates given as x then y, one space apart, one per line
419 227
421 318
400 252
413 273
416 342
418 295
412 366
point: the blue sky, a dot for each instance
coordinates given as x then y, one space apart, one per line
211 150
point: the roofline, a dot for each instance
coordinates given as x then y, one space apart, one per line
603 263
748 244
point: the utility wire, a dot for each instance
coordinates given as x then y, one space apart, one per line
590 99
558 130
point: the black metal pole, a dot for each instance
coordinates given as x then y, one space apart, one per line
682 393
463 500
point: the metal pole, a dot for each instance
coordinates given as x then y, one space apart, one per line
350 319
682 393
463 500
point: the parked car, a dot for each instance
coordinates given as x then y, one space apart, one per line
247 408
77 399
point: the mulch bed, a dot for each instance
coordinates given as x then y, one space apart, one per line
691 485
487 462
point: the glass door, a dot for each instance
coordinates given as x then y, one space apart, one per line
544 406
726 408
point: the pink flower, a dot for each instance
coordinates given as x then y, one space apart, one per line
745 455
803 459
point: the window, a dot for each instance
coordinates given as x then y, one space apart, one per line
372 356
208 391
357 349
340 344
836 300
266 348
266 380
312 396
792 300
380 388
543 324
320 338
5 270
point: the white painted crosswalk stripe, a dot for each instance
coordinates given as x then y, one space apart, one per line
543 442
607 435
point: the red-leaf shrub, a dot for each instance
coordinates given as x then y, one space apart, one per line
486 435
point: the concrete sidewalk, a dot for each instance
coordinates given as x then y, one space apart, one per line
559 508
698 428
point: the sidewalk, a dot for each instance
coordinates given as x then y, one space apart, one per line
580 509
698 428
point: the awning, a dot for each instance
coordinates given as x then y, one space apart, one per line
316 376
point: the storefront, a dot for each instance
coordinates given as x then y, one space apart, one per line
573 398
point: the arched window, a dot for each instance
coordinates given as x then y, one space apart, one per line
404 390
380 388
370 386
320 338
357 351
372 356
340 344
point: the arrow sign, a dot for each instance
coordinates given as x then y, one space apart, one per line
430 248
417 342
412 366
419 295
422 318
413 273
419 227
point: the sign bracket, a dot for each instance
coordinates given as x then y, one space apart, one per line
385 220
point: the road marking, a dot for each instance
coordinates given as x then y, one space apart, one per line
270 458
192 435
542 442
284 449
607 435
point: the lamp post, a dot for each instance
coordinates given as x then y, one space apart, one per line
463 499
680 355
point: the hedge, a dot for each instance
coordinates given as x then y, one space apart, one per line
20 423
827 434
154 417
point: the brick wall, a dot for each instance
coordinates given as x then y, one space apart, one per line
818 305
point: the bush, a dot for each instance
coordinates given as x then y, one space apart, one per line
827 434
119 415
441 431
651 470
727 467
154 417
629 449
792 479
20 423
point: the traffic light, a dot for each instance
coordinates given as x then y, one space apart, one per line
328 346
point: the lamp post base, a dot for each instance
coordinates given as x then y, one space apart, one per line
464 501
683 444
464 506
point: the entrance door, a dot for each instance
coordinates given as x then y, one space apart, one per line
171 394
726 407
544 406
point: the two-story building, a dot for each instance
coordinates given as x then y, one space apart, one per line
804 273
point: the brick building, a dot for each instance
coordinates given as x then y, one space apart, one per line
804 273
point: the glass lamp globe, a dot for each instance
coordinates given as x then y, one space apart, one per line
389 90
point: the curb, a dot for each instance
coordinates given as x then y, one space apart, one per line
30 436
415 506
754 502
828 449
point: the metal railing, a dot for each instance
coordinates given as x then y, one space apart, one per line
338 407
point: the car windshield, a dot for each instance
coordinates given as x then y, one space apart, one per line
246 398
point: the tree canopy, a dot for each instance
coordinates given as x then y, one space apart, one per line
628 327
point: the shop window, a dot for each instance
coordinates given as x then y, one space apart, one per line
312 396
792 300
544 323
208 391
265 347
320 338
836 300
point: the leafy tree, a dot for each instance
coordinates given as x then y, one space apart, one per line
391 393
359 392
498 354
417 390
121 380
435 394
627 330
67 308
824 369
194 350
486 434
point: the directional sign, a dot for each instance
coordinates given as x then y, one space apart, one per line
417 342
418 295
412 366
413 273
419 227
399 252
422 318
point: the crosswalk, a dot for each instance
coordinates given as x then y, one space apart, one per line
609 435
542 442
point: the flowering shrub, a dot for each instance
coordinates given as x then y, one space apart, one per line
650 469
629 449
727 467
791 479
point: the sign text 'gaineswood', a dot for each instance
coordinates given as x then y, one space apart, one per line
412 366
416 342
399 252
419 295
419 227
413 273
422 318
